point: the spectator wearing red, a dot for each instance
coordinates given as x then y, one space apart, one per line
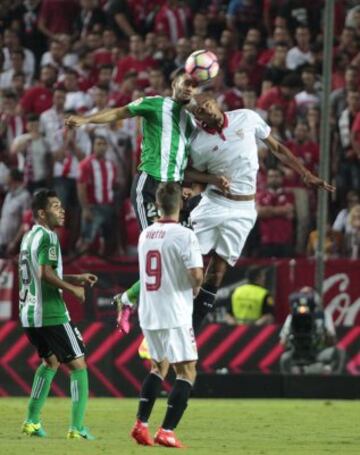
90 17
283 95
136 61
124 95
305 150
275 206
249 64
233 97
57 16
38 99
96 181
103 55
172 19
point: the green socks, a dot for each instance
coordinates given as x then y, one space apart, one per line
79 387
133 293
40 390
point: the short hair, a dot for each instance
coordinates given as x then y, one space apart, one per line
291 80
168 197
40 200
16 175
253 273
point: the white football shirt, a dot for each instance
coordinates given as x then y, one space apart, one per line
232 153
166 251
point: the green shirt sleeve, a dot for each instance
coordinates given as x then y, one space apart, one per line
47 252
145 107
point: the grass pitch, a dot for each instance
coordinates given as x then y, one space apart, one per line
244 427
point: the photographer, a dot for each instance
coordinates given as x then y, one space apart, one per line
309 338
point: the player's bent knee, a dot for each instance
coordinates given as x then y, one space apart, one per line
186 371
52 362
77 364
160 368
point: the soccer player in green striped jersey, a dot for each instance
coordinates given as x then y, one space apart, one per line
45 318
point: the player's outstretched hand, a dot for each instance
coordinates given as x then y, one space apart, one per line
314 181
79 293
74 121
87 278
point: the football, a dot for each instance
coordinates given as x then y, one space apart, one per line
202 65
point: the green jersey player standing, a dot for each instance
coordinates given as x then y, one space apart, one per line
45 318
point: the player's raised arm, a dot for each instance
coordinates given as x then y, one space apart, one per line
105 116
286 157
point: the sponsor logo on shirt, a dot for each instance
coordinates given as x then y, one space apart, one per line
52 253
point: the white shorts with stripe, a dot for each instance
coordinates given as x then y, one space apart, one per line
223 225
176 345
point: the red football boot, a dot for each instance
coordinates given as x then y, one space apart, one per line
167 439
140 433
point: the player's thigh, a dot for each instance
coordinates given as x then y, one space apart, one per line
65 341
156 341
143 192
205 219
181 346
37 338
233 234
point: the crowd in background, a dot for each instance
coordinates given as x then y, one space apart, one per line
58 57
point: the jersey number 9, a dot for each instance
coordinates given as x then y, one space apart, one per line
153 270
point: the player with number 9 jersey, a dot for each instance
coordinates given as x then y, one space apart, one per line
166 251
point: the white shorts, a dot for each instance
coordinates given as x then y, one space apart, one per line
176 345
223 225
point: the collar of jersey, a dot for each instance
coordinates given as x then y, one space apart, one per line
167 220
215 130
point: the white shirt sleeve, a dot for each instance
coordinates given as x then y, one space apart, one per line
262 129
340 221
190 251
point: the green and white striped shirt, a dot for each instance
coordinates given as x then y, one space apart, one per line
167 129
41 304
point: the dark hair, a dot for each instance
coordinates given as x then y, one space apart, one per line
253 273
106 66
16 175
168 197
40 200
32 117
291 80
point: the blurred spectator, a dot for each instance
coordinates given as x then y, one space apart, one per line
52 120
172 20
309 96
338 97
12 43
38 98
347 42
333 244
313 120
252 303
104 54
243 14
309 337
136 61
24 19
90 18
352 237
342 220
200 25
33 154
17 200
57 16
282 95
249 63
96 181
276 69
232 98
301 53
76 99
124 94
17 65
18 84
275 207
11 124
55 56
157 83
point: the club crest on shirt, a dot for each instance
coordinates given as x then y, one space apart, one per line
240 133
52 253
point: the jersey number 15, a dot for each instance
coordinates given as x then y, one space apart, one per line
153 270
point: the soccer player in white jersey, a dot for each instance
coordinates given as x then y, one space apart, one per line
45 318
226 145
171 272
167 130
